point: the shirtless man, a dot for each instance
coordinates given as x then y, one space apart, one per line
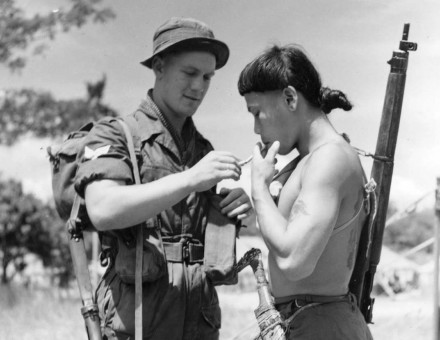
313 231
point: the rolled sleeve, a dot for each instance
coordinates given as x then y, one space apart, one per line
104 156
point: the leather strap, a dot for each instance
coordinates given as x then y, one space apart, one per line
77 249
306 299
80 264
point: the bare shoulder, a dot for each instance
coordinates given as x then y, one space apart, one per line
335 162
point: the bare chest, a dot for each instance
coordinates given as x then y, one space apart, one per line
290 192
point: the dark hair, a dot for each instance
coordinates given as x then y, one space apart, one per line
278 67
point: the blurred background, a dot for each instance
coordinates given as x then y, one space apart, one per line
66 62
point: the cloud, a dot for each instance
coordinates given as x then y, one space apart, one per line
27 161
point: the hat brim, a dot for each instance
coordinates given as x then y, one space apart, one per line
217 47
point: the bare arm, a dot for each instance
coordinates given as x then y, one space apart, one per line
297 243
114 205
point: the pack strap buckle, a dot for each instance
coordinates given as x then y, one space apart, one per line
184 251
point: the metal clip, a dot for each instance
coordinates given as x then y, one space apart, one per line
185 249
370 186
74 229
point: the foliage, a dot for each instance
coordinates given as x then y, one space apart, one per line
29 225
26 223
28 111
18 33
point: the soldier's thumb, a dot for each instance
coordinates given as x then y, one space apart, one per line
273 150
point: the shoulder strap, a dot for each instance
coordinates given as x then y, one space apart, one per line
131 149
133 126
139 238
346 224
283 175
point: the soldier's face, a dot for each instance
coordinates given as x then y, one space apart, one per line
185 79
272 119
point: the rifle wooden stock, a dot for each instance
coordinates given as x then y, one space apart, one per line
382 170
89 309
81 268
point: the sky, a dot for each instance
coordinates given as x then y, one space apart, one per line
349 41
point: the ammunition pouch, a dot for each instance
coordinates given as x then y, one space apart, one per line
220 252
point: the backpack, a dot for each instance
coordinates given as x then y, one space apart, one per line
146 261
64 164
71 208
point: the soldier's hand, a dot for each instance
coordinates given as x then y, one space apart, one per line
213 168
236 203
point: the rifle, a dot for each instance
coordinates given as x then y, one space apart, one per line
75 228
361 283
89 310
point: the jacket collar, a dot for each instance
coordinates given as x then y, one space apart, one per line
151 125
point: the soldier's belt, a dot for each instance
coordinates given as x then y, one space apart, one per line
183 252
302 300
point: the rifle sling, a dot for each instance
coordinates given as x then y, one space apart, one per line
77 249
139 240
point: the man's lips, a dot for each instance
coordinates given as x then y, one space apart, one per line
194 99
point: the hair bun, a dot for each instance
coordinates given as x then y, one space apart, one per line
333 99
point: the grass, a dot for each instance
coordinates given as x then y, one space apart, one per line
29 315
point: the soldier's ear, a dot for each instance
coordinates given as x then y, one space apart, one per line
157 65
291 97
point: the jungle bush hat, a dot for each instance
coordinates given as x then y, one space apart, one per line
187 34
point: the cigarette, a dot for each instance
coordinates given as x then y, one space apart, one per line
246 161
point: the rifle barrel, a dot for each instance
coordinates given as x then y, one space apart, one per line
382 171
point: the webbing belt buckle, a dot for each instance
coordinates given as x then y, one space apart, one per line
186 255
185 252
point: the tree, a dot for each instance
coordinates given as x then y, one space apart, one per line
19 33
28 111
28 225
32 112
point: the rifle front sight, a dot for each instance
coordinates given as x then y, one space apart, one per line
405 45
